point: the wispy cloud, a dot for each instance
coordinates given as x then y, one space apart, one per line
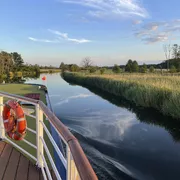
79 40
73 97
151 26
141 33
156 38
173 29
66 37
111 8
43 40
59 38
154 32
135 22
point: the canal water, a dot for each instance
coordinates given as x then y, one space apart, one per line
120 140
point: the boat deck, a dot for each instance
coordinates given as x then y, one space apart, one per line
15 166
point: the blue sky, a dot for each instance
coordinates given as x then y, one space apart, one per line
109 31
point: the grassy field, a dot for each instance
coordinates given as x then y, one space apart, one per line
146 90
49 70
22 89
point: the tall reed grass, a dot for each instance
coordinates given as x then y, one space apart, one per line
156 91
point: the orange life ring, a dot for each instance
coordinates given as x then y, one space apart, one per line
14 120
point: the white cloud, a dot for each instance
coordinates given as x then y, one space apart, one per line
152 26
42 40
111 8
66 37
154 32
79 40
142 33
59 37
156 38
173 29
136 22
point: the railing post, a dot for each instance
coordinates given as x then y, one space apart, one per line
39 133
68 154
2 133
72 173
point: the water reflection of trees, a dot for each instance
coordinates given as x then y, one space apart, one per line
145 115
19 79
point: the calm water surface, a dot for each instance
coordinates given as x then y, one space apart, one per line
121 141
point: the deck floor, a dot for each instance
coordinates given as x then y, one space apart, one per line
15 166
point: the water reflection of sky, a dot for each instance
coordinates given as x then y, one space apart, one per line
93 117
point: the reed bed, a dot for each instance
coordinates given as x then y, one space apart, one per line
146 90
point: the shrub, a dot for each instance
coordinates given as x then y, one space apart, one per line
18 74
116 69
74 68
143 69
10 75
173 69
102 70
92 70
151 69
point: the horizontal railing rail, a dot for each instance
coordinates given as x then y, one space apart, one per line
75 162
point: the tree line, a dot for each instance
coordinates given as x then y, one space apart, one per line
12 64
172 64
87 65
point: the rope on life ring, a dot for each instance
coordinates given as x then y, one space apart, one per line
14 120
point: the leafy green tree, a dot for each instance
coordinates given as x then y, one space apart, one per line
151 69
102 70
116 69
176 51
173 69
6 62
178 67
143 69
37 69
18 61
74 68
92 69
61 65
128 67
134 66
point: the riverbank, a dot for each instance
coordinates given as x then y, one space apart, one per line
148 90
50 70
22 89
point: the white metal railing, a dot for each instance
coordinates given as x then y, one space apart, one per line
74 161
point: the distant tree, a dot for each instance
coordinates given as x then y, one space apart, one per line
86 62
173 69
134 66
143 69
116 69
167 51
61 65
36 69
92 69
176 51
128 67
6 62
18 61
102 70
74 68
178 67
151 69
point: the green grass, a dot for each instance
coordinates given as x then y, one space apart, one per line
49 70
22 89
146 90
